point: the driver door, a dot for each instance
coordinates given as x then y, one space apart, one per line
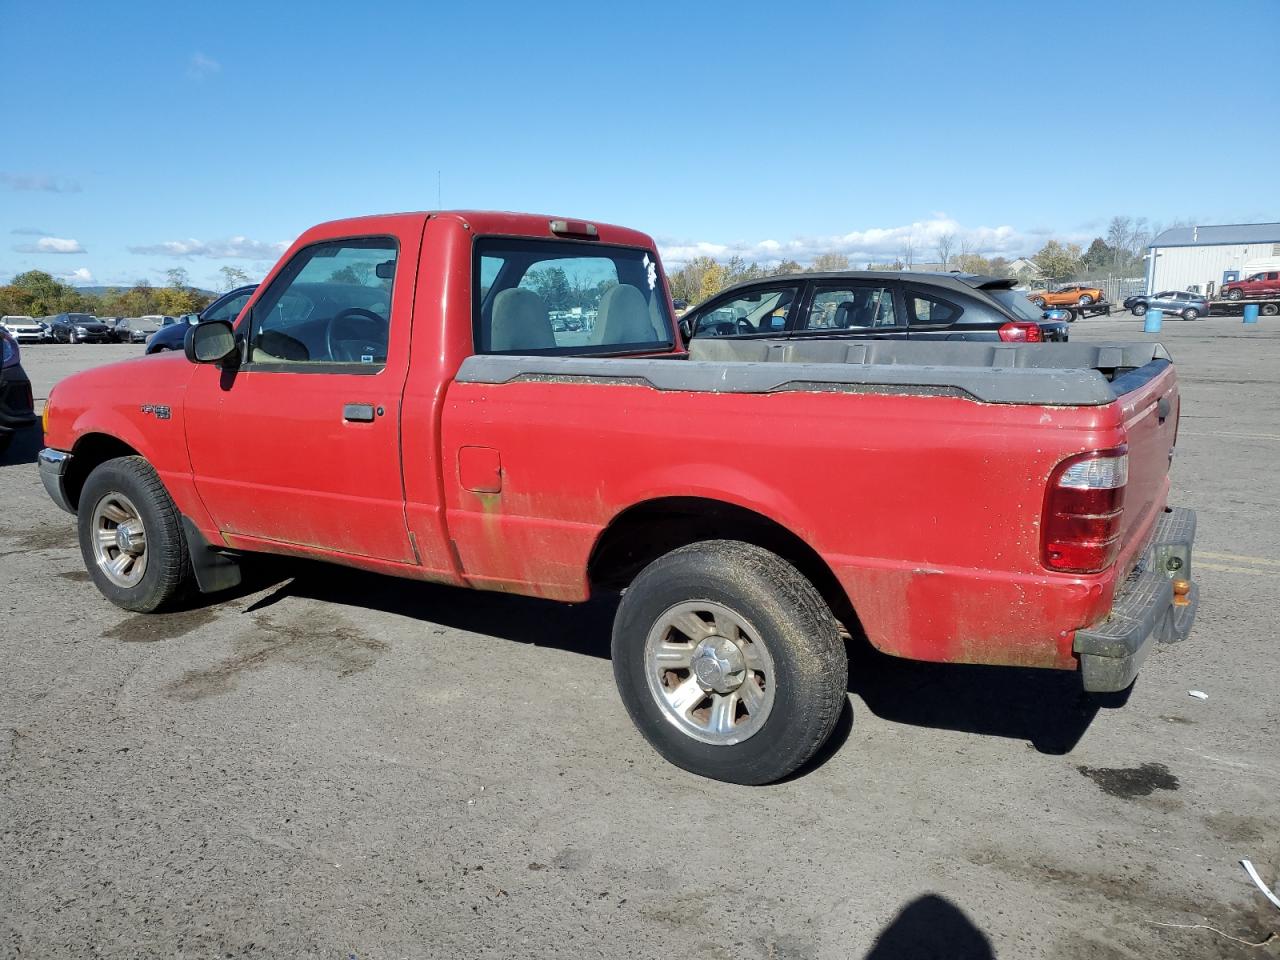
298 448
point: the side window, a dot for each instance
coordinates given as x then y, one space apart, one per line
929 310
755 311
230 308
839 308
330 305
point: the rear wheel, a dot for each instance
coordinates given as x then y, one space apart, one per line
1139 309
1191 313
729 662
131 536
1270 309
1085 300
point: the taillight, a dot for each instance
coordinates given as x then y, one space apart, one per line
1082 511
1021 331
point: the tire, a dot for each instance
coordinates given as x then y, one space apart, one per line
1235 294
129 487
801 660
1138 309
1270 309
1085 300
1191 313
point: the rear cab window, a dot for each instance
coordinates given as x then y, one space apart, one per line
567 298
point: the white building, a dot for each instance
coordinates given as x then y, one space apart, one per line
1204 258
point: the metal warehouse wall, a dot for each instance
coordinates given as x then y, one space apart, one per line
1177 268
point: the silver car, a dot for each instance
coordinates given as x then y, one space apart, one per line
1176 303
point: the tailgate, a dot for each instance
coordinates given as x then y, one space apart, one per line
1148 400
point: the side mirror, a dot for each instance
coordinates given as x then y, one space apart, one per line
210 342
686 329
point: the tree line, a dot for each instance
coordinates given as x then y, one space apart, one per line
39 294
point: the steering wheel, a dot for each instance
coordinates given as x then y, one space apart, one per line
356 333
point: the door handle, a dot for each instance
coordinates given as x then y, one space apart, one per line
357 412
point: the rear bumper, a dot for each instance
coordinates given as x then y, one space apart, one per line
53 472
1144 611
16 410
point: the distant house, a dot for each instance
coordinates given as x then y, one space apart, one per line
1024 269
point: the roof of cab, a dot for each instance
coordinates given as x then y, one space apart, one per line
494 222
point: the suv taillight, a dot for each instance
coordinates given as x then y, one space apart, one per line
1021 331
11 354
1083 508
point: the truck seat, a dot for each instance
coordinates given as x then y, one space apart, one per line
520 322
623 317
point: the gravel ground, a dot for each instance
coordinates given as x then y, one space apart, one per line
330 764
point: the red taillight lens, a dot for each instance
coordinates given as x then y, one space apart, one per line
1021 331
1083 509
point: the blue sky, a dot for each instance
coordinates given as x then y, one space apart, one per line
143 136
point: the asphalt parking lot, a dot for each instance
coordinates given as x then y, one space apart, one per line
331 764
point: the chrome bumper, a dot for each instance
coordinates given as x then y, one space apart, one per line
53 471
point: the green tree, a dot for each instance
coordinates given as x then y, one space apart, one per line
233 277
829 262
551 284
1098 255
1058 261
178 278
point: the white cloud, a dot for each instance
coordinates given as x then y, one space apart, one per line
233 248
81 275
51 245
872 245
40 182
202 66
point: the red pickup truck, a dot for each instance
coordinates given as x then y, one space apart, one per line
406 394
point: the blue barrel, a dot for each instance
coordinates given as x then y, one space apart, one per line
1250 313
1154 320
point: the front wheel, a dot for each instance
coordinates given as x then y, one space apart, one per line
1191 313
1235 294
729 662
1139 309
131 536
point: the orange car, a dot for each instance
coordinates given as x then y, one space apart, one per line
1072 295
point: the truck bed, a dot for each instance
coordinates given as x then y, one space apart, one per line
1051 374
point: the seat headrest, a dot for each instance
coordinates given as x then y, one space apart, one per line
623 317
520 322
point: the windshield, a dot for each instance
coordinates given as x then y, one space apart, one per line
1018 304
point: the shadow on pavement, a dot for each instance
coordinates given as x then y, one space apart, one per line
1047 708
1044 707
931 928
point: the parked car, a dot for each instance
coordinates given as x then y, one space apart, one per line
136 329
953 502
870 305
17 407
79 328
111 323
23 329
1265 284
1180 303
1069 295
226 307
